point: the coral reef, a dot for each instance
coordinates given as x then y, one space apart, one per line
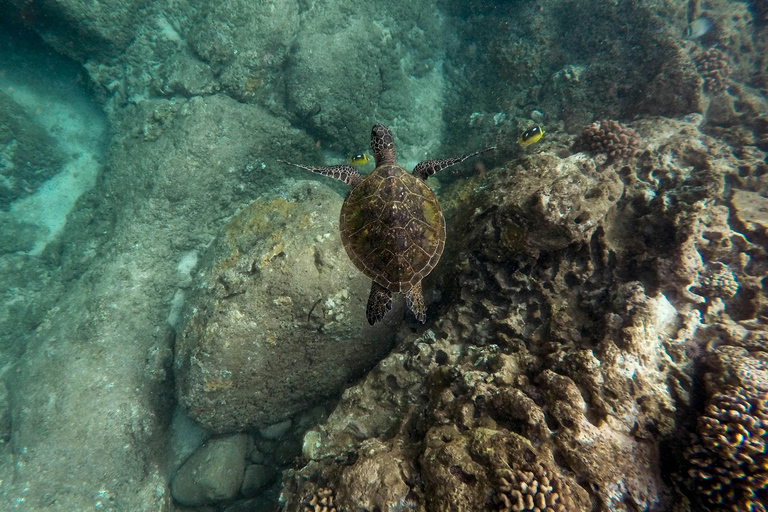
729 463
609 137
536 490
321 501
567 358
714 67
726 466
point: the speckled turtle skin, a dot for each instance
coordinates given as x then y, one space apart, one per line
391 224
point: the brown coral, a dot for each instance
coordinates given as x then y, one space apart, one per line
321 501
729 463
610 137
714 67
537 490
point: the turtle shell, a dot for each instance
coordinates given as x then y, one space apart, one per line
392 228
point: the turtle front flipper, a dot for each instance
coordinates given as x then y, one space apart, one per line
415 302
382 145
427 168
379 303
345 173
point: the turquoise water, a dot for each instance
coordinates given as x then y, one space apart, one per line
573 319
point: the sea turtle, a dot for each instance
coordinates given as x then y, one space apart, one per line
391 223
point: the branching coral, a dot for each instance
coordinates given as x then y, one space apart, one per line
321 501
729 463
714 67
537 490
610 137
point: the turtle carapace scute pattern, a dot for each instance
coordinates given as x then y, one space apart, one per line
391 223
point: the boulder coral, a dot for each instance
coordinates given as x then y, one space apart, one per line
610 137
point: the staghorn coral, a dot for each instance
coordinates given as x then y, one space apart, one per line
728 462
714 67
537 489
610 137
321 501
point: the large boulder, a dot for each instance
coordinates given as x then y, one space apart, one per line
80 28
278 319
213 473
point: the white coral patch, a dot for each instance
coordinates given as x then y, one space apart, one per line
186 264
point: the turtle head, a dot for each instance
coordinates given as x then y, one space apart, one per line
382 145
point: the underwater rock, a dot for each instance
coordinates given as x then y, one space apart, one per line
547 203
79 28
28 156
243 44
16 235
104 349
374 65
676 89
213 473
256 477
313 76
5 413
377 480
632 480
278 320
751 209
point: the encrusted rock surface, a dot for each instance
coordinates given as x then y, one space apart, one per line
547 203
567 361
5 413
278 318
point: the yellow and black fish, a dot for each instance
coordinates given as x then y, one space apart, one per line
530 136
361 159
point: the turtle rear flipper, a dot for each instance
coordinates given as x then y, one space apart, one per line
415 302
379 303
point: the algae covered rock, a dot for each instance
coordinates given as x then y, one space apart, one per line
546 203
278 320
81 27
28 155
